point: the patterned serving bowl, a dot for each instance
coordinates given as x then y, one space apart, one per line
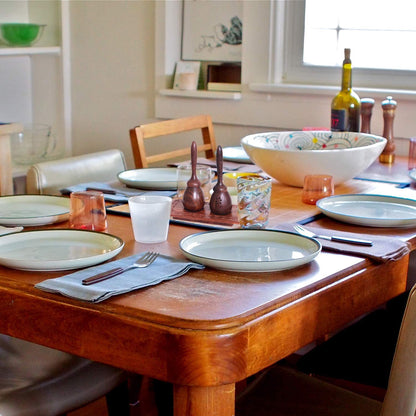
290 155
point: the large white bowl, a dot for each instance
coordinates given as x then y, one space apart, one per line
290 155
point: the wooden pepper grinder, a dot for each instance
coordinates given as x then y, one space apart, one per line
193 197
367 105
220 202
389 109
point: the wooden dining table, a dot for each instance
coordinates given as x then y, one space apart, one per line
209 329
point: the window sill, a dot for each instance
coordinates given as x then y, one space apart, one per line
328 90
283 107
216 95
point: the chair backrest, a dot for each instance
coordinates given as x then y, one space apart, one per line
6 174
50 177
400 399
168 127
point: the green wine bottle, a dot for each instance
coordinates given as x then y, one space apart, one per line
346 105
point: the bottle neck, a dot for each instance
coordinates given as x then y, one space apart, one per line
346 76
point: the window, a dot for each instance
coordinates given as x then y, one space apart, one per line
378 32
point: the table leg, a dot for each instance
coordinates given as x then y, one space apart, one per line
204 401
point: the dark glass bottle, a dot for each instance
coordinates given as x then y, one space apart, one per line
346 105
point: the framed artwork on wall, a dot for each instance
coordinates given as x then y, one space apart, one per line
212 30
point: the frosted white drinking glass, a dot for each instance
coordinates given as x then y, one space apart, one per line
150 216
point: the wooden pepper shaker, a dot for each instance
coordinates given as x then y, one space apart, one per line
389 109
193 197
220 202
367 105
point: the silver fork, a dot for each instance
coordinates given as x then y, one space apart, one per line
307 233
146 260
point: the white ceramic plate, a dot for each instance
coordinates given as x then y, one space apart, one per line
51 250
33 210
150 178
250 250
370 210
235 154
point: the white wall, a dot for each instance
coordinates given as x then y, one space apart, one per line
112 64
113 75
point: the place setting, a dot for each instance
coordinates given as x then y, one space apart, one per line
358 209
248 247
163 268
150 216
81 245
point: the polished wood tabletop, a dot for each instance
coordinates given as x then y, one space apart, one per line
209 329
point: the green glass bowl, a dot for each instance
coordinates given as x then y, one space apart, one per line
21 34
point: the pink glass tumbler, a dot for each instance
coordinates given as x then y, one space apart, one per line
316 187
87 211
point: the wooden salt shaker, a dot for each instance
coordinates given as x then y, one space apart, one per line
193 198
389 109
367 105
220 202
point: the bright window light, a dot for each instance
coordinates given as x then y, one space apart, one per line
380 33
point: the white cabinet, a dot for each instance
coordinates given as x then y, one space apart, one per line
35 81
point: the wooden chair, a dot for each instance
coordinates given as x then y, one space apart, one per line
286 391
139 134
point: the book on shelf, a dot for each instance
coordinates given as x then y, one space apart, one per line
224 86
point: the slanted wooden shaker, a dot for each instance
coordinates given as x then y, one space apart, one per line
367 105
193 198
220 202
389 109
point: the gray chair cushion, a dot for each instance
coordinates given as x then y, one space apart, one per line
50 177
40 381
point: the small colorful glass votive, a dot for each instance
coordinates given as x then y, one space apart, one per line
87 211
316 187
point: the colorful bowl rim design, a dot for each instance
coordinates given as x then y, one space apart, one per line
311 140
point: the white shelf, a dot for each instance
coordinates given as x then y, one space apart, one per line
216 95
42 50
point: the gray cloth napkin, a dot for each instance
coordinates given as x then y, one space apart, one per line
163 268
116 192
383 249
